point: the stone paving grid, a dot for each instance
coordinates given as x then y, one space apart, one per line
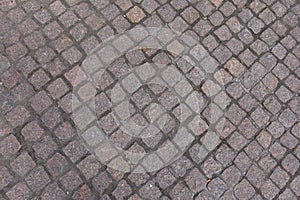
177 125
257 45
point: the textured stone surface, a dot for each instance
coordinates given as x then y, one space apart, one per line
135 14
253 57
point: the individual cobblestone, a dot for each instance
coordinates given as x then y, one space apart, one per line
70 180
19 191
37 179
22 164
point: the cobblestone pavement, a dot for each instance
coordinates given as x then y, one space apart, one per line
254 53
